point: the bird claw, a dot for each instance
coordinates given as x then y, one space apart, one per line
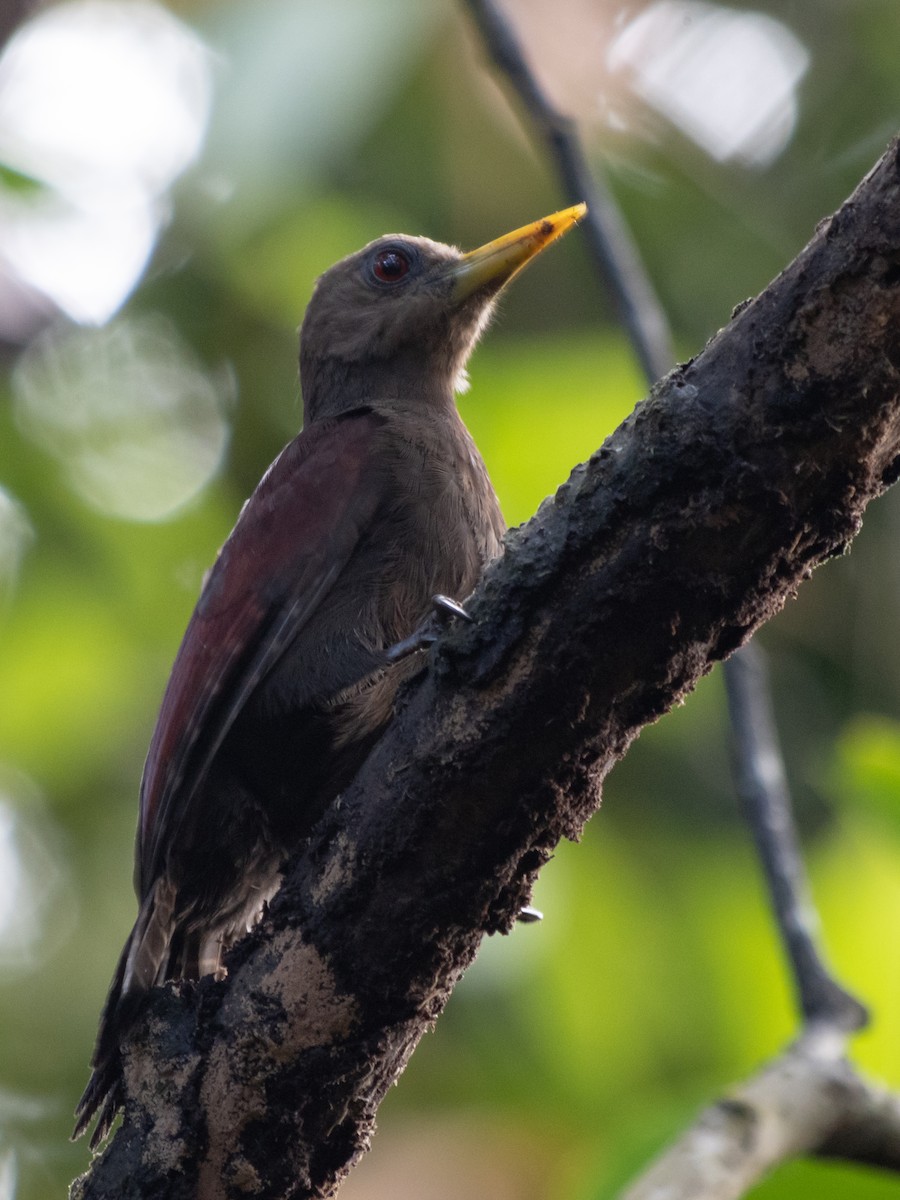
443 611
528 915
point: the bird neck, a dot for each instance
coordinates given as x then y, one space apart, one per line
332 386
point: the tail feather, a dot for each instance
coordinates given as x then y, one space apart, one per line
143 962
102 1097
103 1092
168 941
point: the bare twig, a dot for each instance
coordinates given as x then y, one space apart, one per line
760 770
12 14
762 786
611 243
736 1142
808 1099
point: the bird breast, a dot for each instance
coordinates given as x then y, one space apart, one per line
434 532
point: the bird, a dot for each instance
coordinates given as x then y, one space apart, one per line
314 610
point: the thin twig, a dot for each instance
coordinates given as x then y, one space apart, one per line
768 810
808 1101
615 253
763 790
14 13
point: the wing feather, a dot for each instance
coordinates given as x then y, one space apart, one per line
293 539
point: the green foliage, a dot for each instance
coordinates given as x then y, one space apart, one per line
826 1181
867 766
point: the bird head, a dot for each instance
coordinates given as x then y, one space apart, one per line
397 321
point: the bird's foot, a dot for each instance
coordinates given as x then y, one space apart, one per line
443 611
528 915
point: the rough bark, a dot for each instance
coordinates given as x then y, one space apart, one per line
693 524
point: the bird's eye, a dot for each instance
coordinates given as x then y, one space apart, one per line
390 266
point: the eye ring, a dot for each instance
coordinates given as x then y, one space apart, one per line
391 265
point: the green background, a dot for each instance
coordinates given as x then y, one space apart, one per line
573 1049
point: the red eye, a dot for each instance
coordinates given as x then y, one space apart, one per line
390 265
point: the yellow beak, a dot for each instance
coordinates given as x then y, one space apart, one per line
494 264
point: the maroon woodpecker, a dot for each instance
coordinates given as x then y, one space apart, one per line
287 672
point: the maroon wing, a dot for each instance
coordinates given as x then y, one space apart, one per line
292 540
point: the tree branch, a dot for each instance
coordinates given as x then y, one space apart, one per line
616 257
759 769
808 1099
762 785
693 524
14 13
730 1146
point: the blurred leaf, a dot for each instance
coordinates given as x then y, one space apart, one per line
809 1180
539 406
275 269
301 82
17 181
70 675
16 535
866 767
856 883
135 424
